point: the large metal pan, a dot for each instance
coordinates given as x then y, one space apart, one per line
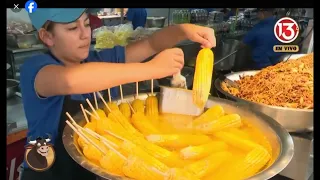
294 120
281 141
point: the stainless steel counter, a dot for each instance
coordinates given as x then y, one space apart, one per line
16 120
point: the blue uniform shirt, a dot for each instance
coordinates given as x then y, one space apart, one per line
138 17
43 114
262 39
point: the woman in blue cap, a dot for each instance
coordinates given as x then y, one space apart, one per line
261 39
57 82
137 16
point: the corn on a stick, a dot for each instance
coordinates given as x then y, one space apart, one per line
152 104
180 174
112 163
138 104
208 165
92 108
202 77
224 122
204 150
124 106
213 113
142 123
236 141
177 140
111 105
90 125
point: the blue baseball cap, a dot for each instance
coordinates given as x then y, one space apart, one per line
59 15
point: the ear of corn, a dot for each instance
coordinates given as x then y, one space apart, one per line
112 139
82 143
254 161
180 174
208 165
117 116
202 77
125 110
202 151
92 153
112 163
177 140
225 122
152 106
102 125
237 142
138 105
100 113
130 148
91 126
213 113
112 106
143 124
136 168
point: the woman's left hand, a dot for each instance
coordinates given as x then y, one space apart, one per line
203 35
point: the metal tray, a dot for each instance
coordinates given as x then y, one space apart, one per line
281 141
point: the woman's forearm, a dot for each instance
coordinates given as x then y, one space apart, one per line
92 77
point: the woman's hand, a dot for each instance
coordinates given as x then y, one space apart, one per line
203 35
167 63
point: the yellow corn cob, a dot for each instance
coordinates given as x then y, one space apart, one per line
238 132
82 143
92 153
100 113
152 106
91 126
112 163
236 141
143 124
202 77
112 106
224 122
177 140
130 148
102 125
117 116
112 139
201 151
180 174
125 110
138 105
114 127
208 165
136 168
254 161
211 114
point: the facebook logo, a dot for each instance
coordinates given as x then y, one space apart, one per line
31 6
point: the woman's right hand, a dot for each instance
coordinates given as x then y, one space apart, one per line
167 62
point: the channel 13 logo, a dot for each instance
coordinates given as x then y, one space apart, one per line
31 6
286 31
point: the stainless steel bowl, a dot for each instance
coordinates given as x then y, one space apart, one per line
281 141
293 120
155 21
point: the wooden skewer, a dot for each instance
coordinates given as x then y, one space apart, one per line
137 90
104 101
109 94
131 108
84 113
83 136
121 93
115 135
152 87
98 136
95 100
91 114
92 108
115 151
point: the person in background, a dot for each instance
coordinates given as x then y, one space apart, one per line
207 9
95 21
228 13
261 39
137 16
59 81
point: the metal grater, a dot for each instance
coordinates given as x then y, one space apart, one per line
177 101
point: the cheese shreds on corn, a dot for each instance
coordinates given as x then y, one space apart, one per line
202 77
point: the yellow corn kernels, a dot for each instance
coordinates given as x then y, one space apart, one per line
224 122
177 140
82 143
136 168
102 125
152 106
202 151
112 106
143 124
202 77
100 113
125 110
117 116
235 141
180 174
208 165
92 153
112 139
138 105
213 113
91 126
112 163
